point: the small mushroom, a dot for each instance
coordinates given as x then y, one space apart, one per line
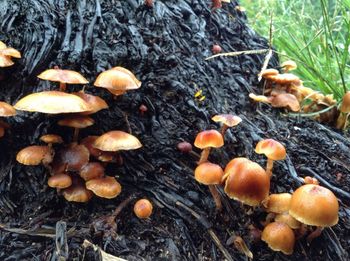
63 77
143 208
268 72
94 102
279 237
216 49
51 139
77 122
286 218
289 66
35 155
277 203
73 157
6 110
77 193
228 120
92 170
206 140
273 150
60 181
105 187
344 109
6 55
210 174
117 140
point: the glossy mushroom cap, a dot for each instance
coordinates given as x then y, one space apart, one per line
60 180
285 78
117 140
227 119
288 219
272 149
95 103
6 54
233 164
64 76
106 187
289 65
6 110
314 205
285 100
269 72
208 173
51 139
77 193
117 79
279 237
52 102
209 138
34 155
345 105
277 203
73 157
143 208
76 121
92 170
248 183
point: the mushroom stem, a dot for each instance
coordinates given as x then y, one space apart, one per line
223 130
269 166
204 156
316 233
75 135
62 86
216 196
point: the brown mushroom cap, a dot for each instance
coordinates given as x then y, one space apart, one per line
289 65
248 183
52 102
277 203
64 76
95 103
227 119
269 72
60 180
6 110
118 79
314 205
6 54
73 157
92 170
285 78
233 164
285 100
143 208
117 140
279 237
106 187
271 148
209 138
76 121
345 105
51 138
77 193
208 173
34 155
288 219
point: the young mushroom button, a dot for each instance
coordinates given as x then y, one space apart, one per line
228 120
279 237
105 187
143 208
208 139
273 150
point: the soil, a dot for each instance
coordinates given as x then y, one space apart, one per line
166 47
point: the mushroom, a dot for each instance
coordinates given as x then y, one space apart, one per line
279 237
286 218
117 140
277 203
288 66
342 120
52 102
268 72
6 110
314 205
247 182
92 170
63 77
206 140
73 157
105 187
278 100
210 174
77 122
35 155
77 193
51 139
104 156
273 150
143 208
6 54
228 120
285 78
216 49
94 102
117 80
60 181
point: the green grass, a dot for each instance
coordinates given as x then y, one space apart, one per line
313 33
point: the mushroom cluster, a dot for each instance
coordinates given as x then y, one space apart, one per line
289 216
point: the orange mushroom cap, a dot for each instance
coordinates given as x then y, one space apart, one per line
52 102
286 218
117 140
143 208
106 187
209 138
248 183
60 180
118 79
279 237
284 100
285 78
277 203
5 61
34 155
269 72
51 138
233 164
345 105
95 103
314 205
76 121
208 173
92 170
64 76
271 148
289 65
6 110
77 193
227 119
